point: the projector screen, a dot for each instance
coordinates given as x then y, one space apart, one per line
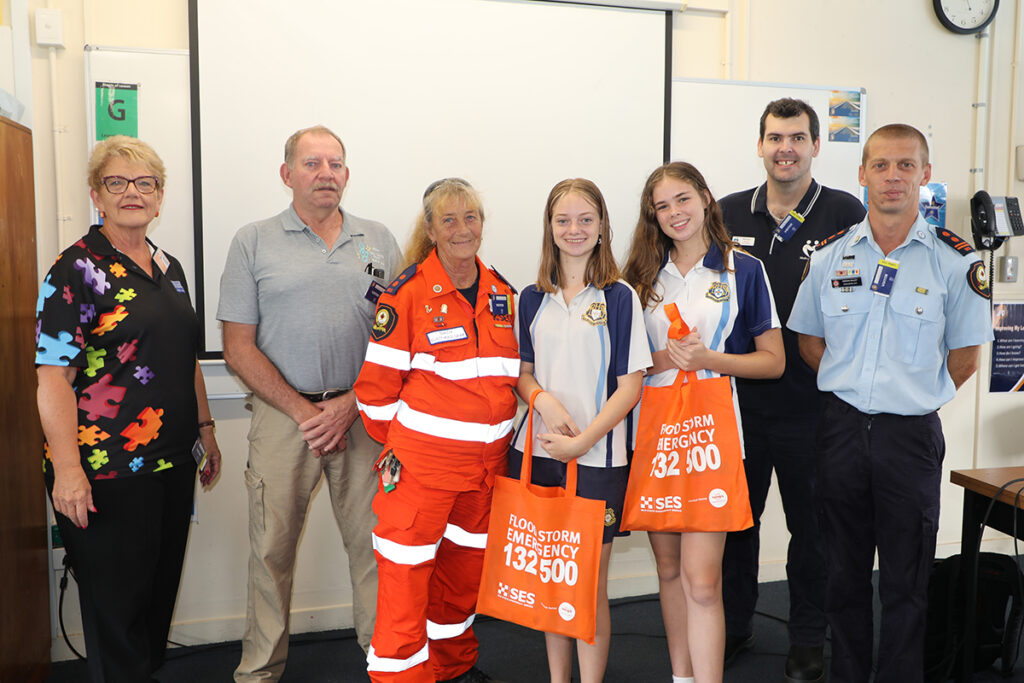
511 95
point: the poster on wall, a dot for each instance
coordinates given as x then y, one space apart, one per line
1008 348
932 204
117 109
844 116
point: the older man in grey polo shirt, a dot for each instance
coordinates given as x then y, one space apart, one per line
297 300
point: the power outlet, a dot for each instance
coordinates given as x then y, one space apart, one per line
49 28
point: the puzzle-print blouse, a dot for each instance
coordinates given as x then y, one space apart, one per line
134 341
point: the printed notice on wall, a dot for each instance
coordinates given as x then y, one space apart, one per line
1008 348
117 109
844 116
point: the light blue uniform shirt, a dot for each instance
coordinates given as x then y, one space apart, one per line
887 354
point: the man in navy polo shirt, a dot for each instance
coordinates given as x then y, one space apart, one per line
780 222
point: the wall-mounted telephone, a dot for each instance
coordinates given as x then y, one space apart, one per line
993 219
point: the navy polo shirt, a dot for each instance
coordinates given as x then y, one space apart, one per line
752 227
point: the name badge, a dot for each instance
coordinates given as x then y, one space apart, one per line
743 240
789 226
161 260
499 304
885 276
373 292
448 334
846 283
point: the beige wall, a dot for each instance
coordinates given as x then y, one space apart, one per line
914 71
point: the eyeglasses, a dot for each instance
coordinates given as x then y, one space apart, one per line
115 184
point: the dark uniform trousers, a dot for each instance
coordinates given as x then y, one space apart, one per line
128 566
878 482
787 446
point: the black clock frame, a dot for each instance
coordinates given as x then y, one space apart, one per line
944 20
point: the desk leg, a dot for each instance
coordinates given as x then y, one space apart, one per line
974 509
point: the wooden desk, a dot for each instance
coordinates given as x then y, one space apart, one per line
980 486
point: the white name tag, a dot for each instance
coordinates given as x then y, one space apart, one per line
743 240
448 334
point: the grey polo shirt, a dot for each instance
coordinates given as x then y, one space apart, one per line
313 303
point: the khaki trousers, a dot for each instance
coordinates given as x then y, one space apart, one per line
280 479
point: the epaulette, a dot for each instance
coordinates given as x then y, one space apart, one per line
402 278
830 239
501 277
947 237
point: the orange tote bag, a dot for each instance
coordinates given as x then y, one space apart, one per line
543 553
687 468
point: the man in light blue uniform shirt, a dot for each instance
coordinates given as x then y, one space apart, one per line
891 314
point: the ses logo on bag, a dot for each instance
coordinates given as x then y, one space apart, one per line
661 503
516 595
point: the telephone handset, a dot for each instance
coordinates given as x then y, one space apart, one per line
993 219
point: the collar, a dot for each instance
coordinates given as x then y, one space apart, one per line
293 223
99 246
921 231
713 260
759 201
439 284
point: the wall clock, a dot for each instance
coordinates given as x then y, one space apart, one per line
965 16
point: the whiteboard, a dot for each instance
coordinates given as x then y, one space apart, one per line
513 96
715 127
163 80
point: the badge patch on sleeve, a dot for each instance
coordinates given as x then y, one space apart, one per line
977 278
384 322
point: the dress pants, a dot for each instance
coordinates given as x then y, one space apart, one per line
127 563
787 446
879 485
280 478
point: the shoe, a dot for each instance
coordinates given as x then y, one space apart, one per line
734 645
474 675
805 664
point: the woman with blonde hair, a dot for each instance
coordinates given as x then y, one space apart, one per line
437 389
124 410
583 344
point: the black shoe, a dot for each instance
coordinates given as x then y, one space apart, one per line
734 645
474 675
805 664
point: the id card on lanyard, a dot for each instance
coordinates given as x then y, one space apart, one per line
789 225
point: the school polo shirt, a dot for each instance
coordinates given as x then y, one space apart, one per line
133 339
578 353
826 212
887 354
313 303
727 308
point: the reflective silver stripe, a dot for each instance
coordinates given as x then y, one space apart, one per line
443 631
387 356
451 429
390 665
460 536
404 554
381 413
471 368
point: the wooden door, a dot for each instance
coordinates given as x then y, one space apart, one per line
24 588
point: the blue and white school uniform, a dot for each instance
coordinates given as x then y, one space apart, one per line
727 307
578 352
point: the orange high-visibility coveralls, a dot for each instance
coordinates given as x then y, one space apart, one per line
438 389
